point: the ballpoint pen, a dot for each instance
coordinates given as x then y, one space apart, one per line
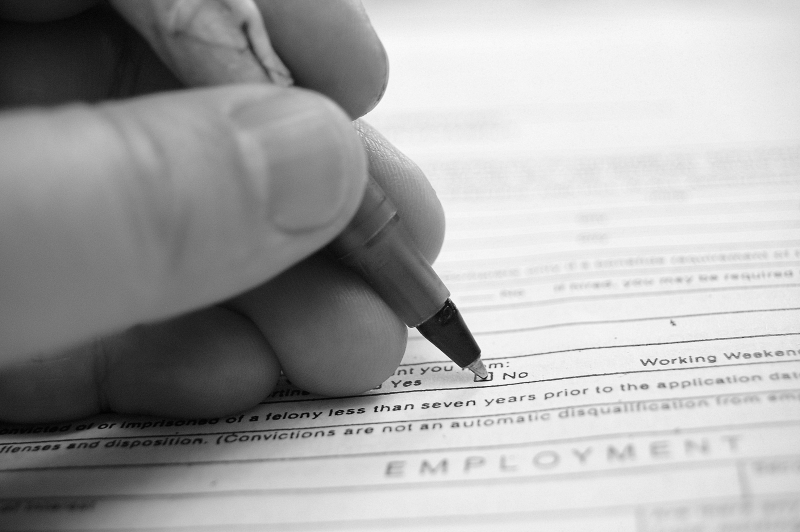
378 247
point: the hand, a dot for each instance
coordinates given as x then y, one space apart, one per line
157 251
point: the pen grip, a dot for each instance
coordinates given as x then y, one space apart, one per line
377 246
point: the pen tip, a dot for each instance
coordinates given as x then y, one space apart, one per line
478 368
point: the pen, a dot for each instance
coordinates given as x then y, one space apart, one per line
208 42
378 247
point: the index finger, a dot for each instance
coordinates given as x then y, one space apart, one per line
329 47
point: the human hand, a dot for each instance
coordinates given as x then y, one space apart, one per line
125 223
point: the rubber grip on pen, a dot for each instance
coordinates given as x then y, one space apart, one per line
376 245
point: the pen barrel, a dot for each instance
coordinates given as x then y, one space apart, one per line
377 246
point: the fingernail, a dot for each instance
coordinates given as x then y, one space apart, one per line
307 151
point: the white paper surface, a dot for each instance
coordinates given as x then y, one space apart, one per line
623 199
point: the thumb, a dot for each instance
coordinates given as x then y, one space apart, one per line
137 211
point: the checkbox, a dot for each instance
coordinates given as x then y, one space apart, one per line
487 379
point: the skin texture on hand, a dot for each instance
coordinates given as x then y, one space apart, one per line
111 307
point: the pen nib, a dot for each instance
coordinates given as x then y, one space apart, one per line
478 369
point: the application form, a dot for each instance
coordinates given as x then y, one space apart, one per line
622 189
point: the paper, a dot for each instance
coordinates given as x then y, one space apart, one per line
624 240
